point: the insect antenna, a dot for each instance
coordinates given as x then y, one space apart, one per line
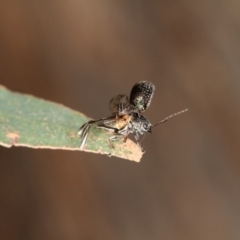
173 115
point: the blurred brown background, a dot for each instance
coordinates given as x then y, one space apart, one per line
82 53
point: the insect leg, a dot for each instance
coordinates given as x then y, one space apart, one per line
114 138
83 132
123 133
119 133
94 122
84 129
141 138
111 129
138 140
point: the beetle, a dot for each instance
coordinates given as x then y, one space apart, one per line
127 117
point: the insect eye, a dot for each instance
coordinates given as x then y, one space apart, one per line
145 126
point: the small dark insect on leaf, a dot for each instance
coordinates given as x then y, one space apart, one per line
127 116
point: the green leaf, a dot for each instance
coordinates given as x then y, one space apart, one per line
32 122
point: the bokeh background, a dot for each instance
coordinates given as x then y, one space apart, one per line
82 53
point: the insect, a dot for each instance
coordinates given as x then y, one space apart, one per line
127 117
